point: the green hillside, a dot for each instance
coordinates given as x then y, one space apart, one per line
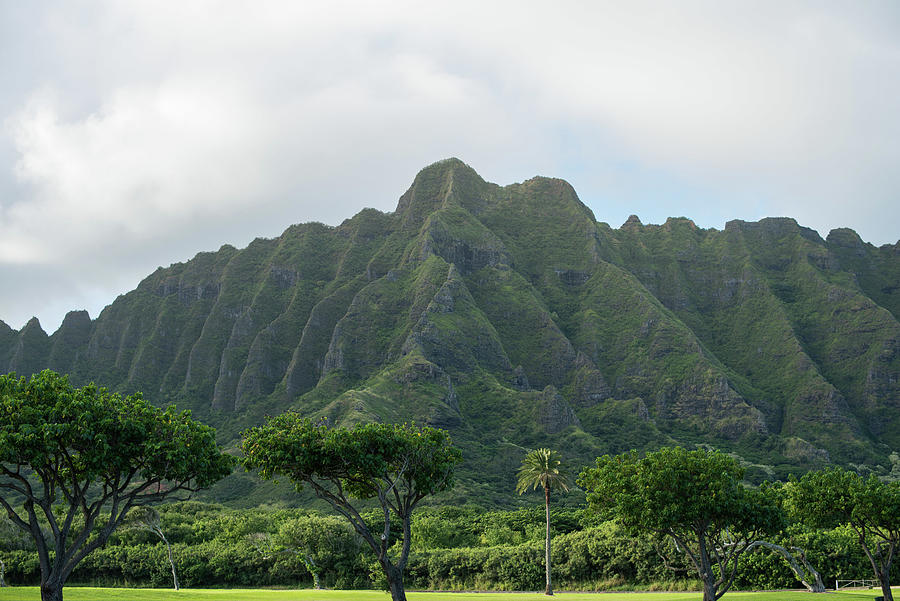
511 317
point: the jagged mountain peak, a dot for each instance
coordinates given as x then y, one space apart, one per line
674 222
774 227
33 325
75 318
845 237
511 316
633 223
436 185
553 196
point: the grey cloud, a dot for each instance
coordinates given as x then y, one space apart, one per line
163 129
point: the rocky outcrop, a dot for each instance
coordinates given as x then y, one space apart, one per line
511 316
590 387
454 334
555 414
710 399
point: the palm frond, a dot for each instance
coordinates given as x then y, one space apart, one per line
542 468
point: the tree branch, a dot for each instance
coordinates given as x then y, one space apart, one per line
25 490
14 516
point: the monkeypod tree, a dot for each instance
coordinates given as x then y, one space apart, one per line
696 498
398 465
830 498
75 461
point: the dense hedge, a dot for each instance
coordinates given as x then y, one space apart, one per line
836 554
594 558
454 548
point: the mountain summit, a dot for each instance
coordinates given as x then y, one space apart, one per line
511 317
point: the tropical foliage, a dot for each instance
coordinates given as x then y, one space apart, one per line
454 548
398 465
543 468
75 461
695 498
869 506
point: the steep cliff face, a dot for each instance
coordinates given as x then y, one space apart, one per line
771 301
512 317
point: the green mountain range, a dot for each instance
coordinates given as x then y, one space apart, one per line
513 318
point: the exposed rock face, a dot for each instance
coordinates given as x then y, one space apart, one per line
511 316
307 363
187 294
520 379
468 342
462 241
446 415
590 385
881 385
555 414
710 399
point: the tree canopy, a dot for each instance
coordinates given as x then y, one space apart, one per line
75 461
541 468
317 542
871 507
399 465
694 497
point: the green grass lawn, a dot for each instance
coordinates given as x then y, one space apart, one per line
32 593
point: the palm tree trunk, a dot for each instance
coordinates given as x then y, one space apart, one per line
549 589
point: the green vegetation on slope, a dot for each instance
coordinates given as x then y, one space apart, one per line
509 316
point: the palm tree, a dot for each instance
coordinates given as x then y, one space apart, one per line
542 467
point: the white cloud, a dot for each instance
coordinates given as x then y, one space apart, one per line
150 157
167 128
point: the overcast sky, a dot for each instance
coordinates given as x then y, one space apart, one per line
135 134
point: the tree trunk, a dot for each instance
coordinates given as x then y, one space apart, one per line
314 570
808 575
818 586
549 588
885 581
157 530
706 573
881 566
2 573
51 591
709 587
172 564
395 582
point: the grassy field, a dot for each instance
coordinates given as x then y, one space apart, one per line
105 594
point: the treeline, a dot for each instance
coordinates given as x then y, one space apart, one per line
453 548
